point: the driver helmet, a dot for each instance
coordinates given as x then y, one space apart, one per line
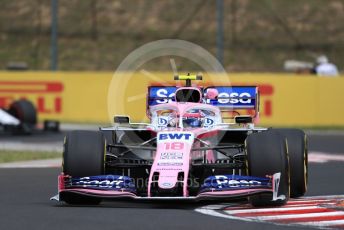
192 122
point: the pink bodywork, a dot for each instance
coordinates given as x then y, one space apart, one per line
173 155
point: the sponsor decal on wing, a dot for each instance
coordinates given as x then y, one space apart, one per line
111 182
228 96
227 182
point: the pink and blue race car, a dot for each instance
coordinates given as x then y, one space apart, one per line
187 152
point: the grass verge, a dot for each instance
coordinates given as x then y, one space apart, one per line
12 156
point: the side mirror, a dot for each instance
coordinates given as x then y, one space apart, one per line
212 93
122 119
243 119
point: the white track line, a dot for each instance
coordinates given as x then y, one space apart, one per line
323 223
306 201
270 210
217 214
305 205
55 146
48 163
321 197
322 157
296 216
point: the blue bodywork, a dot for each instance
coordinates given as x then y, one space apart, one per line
234 182
236 97
212 183
103 182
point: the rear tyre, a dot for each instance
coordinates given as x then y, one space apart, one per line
26 113
83 155
298 160
266 155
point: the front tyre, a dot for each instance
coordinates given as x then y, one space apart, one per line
83 155
298 160
266 155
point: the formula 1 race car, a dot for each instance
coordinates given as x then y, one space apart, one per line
187 152
20 118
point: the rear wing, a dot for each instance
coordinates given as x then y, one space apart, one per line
230 98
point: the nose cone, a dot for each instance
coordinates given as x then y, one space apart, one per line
171 159
167 180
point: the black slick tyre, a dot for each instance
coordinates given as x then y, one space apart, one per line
83 155
26 113
298 160
266 155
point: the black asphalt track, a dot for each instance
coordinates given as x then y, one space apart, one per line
25 193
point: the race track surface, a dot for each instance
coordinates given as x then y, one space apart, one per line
25 204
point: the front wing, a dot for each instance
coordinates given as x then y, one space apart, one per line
123 187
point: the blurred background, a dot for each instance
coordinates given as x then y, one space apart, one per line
246 35
281 46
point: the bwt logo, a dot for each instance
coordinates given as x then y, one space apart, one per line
45 95
174 136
